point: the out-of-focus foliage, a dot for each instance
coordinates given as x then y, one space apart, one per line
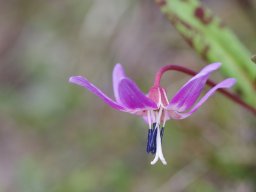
56 137
214 41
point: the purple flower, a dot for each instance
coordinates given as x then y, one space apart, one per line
154 107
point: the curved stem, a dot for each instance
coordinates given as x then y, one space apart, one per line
211 83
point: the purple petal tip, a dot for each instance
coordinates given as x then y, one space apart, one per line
229 82
118 66
218 64
71 79
212 67
215 65
75 79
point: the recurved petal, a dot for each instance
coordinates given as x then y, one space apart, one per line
79 80
118 74
227 83
189 93
132 97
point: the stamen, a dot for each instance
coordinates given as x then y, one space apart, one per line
149 138
149 119
165 118
153 118
151 143
159 115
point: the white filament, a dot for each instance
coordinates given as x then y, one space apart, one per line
153 116
149 119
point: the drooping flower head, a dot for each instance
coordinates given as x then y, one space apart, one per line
154 107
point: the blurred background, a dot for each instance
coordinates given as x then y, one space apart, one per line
58 137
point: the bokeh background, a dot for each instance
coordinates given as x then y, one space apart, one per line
57 137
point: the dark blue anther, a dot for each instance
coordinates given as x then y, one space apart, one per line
149 137
151 143
153 139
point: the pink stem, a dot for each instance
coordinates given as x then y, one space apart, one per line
211 83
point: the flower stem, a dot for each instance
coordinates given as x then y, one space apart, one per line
211 83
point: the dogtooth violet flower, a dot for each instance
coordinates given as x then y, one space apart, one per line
154 107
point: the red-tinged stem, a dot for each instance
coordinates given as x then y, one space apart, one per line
211 83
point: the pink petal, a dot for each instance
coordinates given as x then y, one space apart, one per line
227 83
189 93
118 74
79 80
132 97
